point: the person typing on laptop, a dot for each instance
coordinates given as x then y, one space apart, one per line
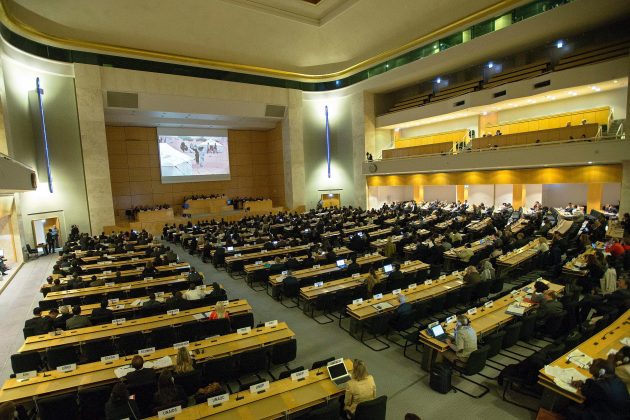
360 388
465 342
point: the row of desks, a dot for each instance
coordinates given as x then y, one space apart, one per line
99 373
264 265
81 335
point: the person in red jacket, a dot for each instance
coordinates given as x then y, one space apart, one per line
616 249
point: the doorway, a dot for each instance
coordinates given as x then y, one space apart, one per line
330 200
40 229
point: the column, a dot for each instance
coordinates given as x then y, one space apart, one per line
363 140
94 146
594 196
461 193
418 193
293 152
518 195
624 206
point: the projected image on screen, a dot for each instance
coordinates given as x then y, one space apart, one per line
185 158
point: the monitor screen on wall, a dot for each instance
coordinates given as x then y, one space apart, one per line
193 155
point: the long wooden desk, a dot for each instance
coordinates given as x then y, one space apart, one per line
518 226
229 261
251 268
517 257
108 265
577 266
110 274
283 399
80 335
562 227
597 347
483 322
114 257
97 373
380 243
615 230
479 225
366 228
155 215
306 273
475 247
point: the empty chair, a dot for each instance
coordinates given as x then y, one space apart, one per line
62 355
222 370
552 327
47 305
92 402
213 327
475 364
163 337
512 335
26 362
286 373
137 292
284 352
375 409
29 332
481 290
436 305
327 412
242 320
58 407
100 320
452 299
189 381
188 332
129 344
92 351
252 362
320 363
465 295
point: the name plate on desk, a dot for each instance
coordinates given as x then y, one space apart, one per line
472 311
284 273
488 304
256 263
113 301
148 278
396 292
172 312
237 255
356 275
428 282
263 251
378 296
258 388
514 292
451 318
67 368
110 284
218 400
23 376
244 330
407 262
299 376
357 301
119 321
107 272
412 286
109 359
273 323
134 259
169 412
129 252
181 344
316 266
125 288
159 294
147 351
318 284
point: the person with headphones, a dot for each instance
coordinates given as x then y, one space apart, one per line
606 395
465 341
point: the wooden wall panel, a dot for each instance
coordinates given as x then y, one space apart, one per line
256 168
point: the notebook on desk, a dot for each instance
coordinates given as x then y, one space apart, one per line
382 306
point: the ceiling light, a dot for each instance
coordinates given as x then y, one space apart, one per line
560 44
397 129
438 80
490 65
590 162
595 88
615 81
484 113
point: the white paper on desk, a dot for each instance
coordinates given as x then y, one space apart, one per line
199 317
162 362
136 302
625 341
580 359
122 371
564 385
564 375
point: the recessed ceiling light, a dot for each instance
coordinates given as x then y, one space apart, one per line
590 162
438 80
615 81
490 65
560 44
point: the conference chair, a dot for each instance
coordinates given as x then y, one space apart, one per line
58 407
399 325
321 363
92 402
242 320
287 373
495 344
26 362
452 299
512 335
475 364
375 409
188 332
92 351
412 338
129 344
252 362
47 305
144 397
213 327
163 337
528 330
28 332
283 353
327 412
465 295
325 304
189 381
62 355
222 370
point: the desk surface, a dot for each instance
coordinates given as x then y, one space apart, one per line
577 266
80 335
283 398
250 268
475 247
486 319
264 253
561 227
519 225
98 372
520 255
596 347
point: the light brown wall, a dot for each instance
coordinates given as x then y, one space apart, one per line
255 167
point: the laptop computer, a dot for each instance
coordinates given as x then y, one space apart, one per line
338 372
438 332
388 268
341 263
382 306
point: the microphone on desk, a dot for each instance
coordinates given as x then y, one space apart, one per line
238 396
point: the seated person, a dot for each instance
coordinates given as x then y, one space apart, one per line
149 270
119 405
465 342
96 281
152 302
57 287
358 389
471 275
488 273
218 292
77 320
539 292
193 293
549 307
194 276
465 254
168 393
64 315
219 311
402 312
141 375
354 267
102 311
176 302
606 395
396 274
39 324
621 361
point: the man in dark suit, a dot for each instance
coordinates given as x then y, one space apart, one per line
402 312
38 324
354 267
141 375
177 301
395 275
102 312
194 276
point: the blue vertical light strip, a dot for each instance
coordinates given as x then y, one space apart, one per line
327 140
40 92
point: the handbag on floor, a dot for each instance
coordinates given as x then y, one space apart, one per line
440 378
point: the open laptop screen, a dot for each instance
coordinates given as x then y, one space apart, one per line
388 268
341 263
337 370
437 330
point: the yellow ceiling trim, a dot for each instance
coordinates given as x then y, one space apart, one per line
557 175
35 34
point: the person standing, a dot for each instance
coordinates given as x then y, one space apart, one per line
50 242
55 233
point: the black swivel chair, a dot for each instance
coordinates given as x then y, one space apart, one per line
62 355
283 353
92 402
375 409
93 350
242 321
26 362
58 407
129 344
189 381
